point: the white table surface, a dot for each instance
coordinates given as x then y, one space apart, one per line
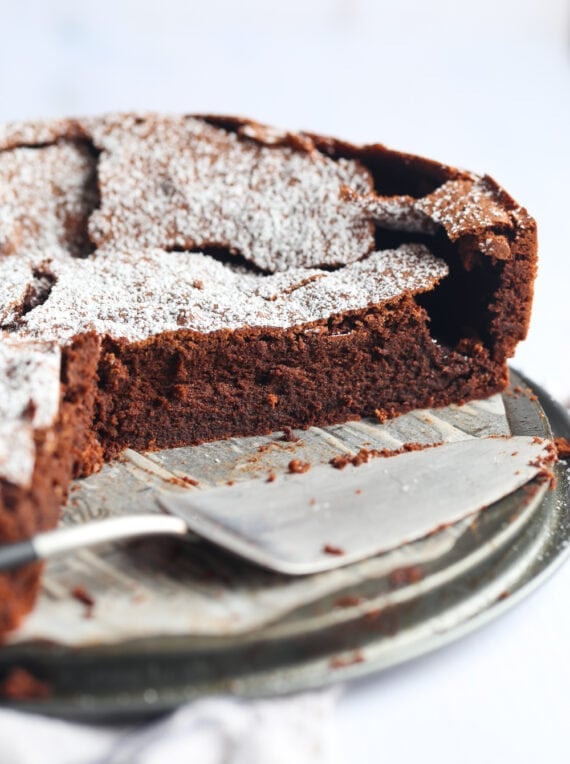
484 85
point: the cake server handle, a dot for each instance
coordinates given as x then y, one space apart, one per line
44 546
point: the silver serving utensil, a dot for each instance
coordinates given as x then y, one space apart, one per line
324 518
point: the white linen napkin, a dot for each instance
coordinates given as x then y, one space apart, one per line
293 730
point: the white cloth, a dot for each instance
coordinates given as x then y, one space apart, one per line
293 730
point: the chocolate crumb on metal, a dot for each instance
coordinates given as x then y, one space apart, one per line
366 454
544 463
297 466
183 481
82 595
562 446
349 600
405 576
341 661
289 436
20 684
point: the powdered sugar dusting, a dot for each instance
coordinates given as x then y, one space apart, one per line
182 183
495 245
45 195
29 399
465 207
134 295
38 132
400 213
15 278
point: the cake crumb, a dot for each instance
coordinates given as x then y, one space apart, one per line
334 550
544 462
562 446
271 477
341 661
20 684
339 462
405 576
272 399
183 481
349 600
289 436
297 466
366 454
81 594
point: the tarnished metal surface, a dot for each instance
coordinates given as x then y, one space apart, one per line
174 621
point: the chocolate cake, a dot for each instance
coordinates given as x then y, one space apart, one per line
171 280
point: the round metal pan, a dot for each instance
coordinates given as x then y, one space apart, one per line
495 561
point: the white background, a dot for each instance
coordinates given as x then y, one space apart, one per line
481 84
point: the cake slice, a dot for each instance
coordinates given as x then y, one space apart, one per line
166 281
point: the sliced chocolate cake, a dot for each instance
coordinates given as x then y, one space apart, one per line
171 280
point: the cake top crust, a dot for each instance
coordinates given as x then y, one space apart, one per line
110 224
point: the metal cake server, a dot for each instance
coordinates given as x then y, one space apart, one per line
325 518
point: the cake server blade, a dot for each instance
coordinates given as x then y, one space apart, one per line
327 518
324 518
